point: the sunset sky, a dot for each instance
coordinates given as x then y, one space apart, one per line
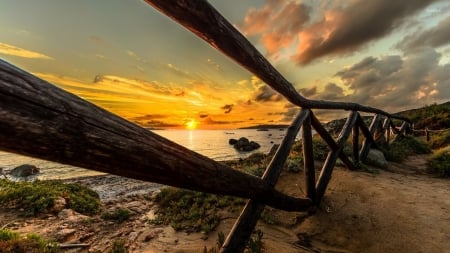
132 60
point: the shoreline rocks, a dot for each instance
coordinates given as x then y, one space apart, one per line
24 170
244 144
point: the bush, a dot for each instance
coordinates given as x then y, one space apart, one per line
439 140
12 242
439 162
192 211
39 196
118 247
399 150
120 215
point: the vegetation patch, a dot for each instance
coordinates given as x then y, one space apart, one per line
118 246
439 140
192 211
399 150
119 215
439 163
12 242
39 196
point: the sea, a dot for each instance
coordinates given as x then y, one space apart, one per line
211 143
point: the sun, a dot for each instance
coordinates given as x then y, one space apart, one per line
191 124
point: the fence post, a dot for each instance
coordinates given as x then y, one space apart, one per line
308 160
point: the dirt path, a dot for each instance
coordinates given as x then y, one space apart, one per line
399 210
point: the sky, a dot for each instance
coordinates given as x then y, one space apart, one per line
128 58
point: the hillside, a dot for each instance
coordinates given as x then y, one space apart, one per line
435 116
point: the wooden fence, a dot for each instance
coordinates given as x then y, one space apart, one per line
40 120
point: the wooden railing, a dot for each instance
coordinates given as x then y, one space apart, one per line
40 120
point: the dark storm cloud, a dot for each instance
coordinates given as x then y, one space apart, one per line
393 82
336 29
434 37
345 30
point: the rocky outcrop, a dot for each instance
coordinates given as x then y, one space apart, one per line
24 170
376 158
243 144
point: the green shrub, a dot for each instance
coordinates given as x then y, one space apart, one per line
119 214
255 243
439 162
439 140
118 246
39 196
12 242
399 150
192 211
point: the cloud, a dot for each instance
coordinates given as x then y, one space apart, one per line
159 124
265 93
290 114
346 29
203 115
211 121
20 52
394 83
278 22
149 117
228 108
329 29
434 37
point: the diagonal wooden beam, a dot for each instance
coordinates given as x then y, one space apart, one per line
327 169
330 141
242 229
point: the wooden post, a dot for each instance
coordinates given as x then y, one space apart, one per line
386 129
40 120
355 142
244 225
328 166
308 160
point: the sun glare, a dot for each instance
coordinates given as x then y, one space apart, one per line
191 124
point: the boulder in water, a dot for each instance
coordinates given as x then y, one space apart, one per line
244 145
24 170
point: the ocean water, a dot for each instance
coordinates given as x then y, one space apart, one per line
211 143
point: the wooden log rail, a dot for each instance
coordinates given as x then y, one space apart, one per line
40 120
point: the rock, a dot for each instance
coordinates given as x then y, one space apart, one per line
58 205
232 141
65 233
376 158
71 216
24 170
243 144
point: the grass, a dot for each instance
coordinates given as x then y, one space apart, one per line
399 150
12 242
118 246
439 162
439 140
39 196
119 215
192 211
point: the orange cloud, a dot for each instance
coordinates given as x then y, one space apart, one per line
20 52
